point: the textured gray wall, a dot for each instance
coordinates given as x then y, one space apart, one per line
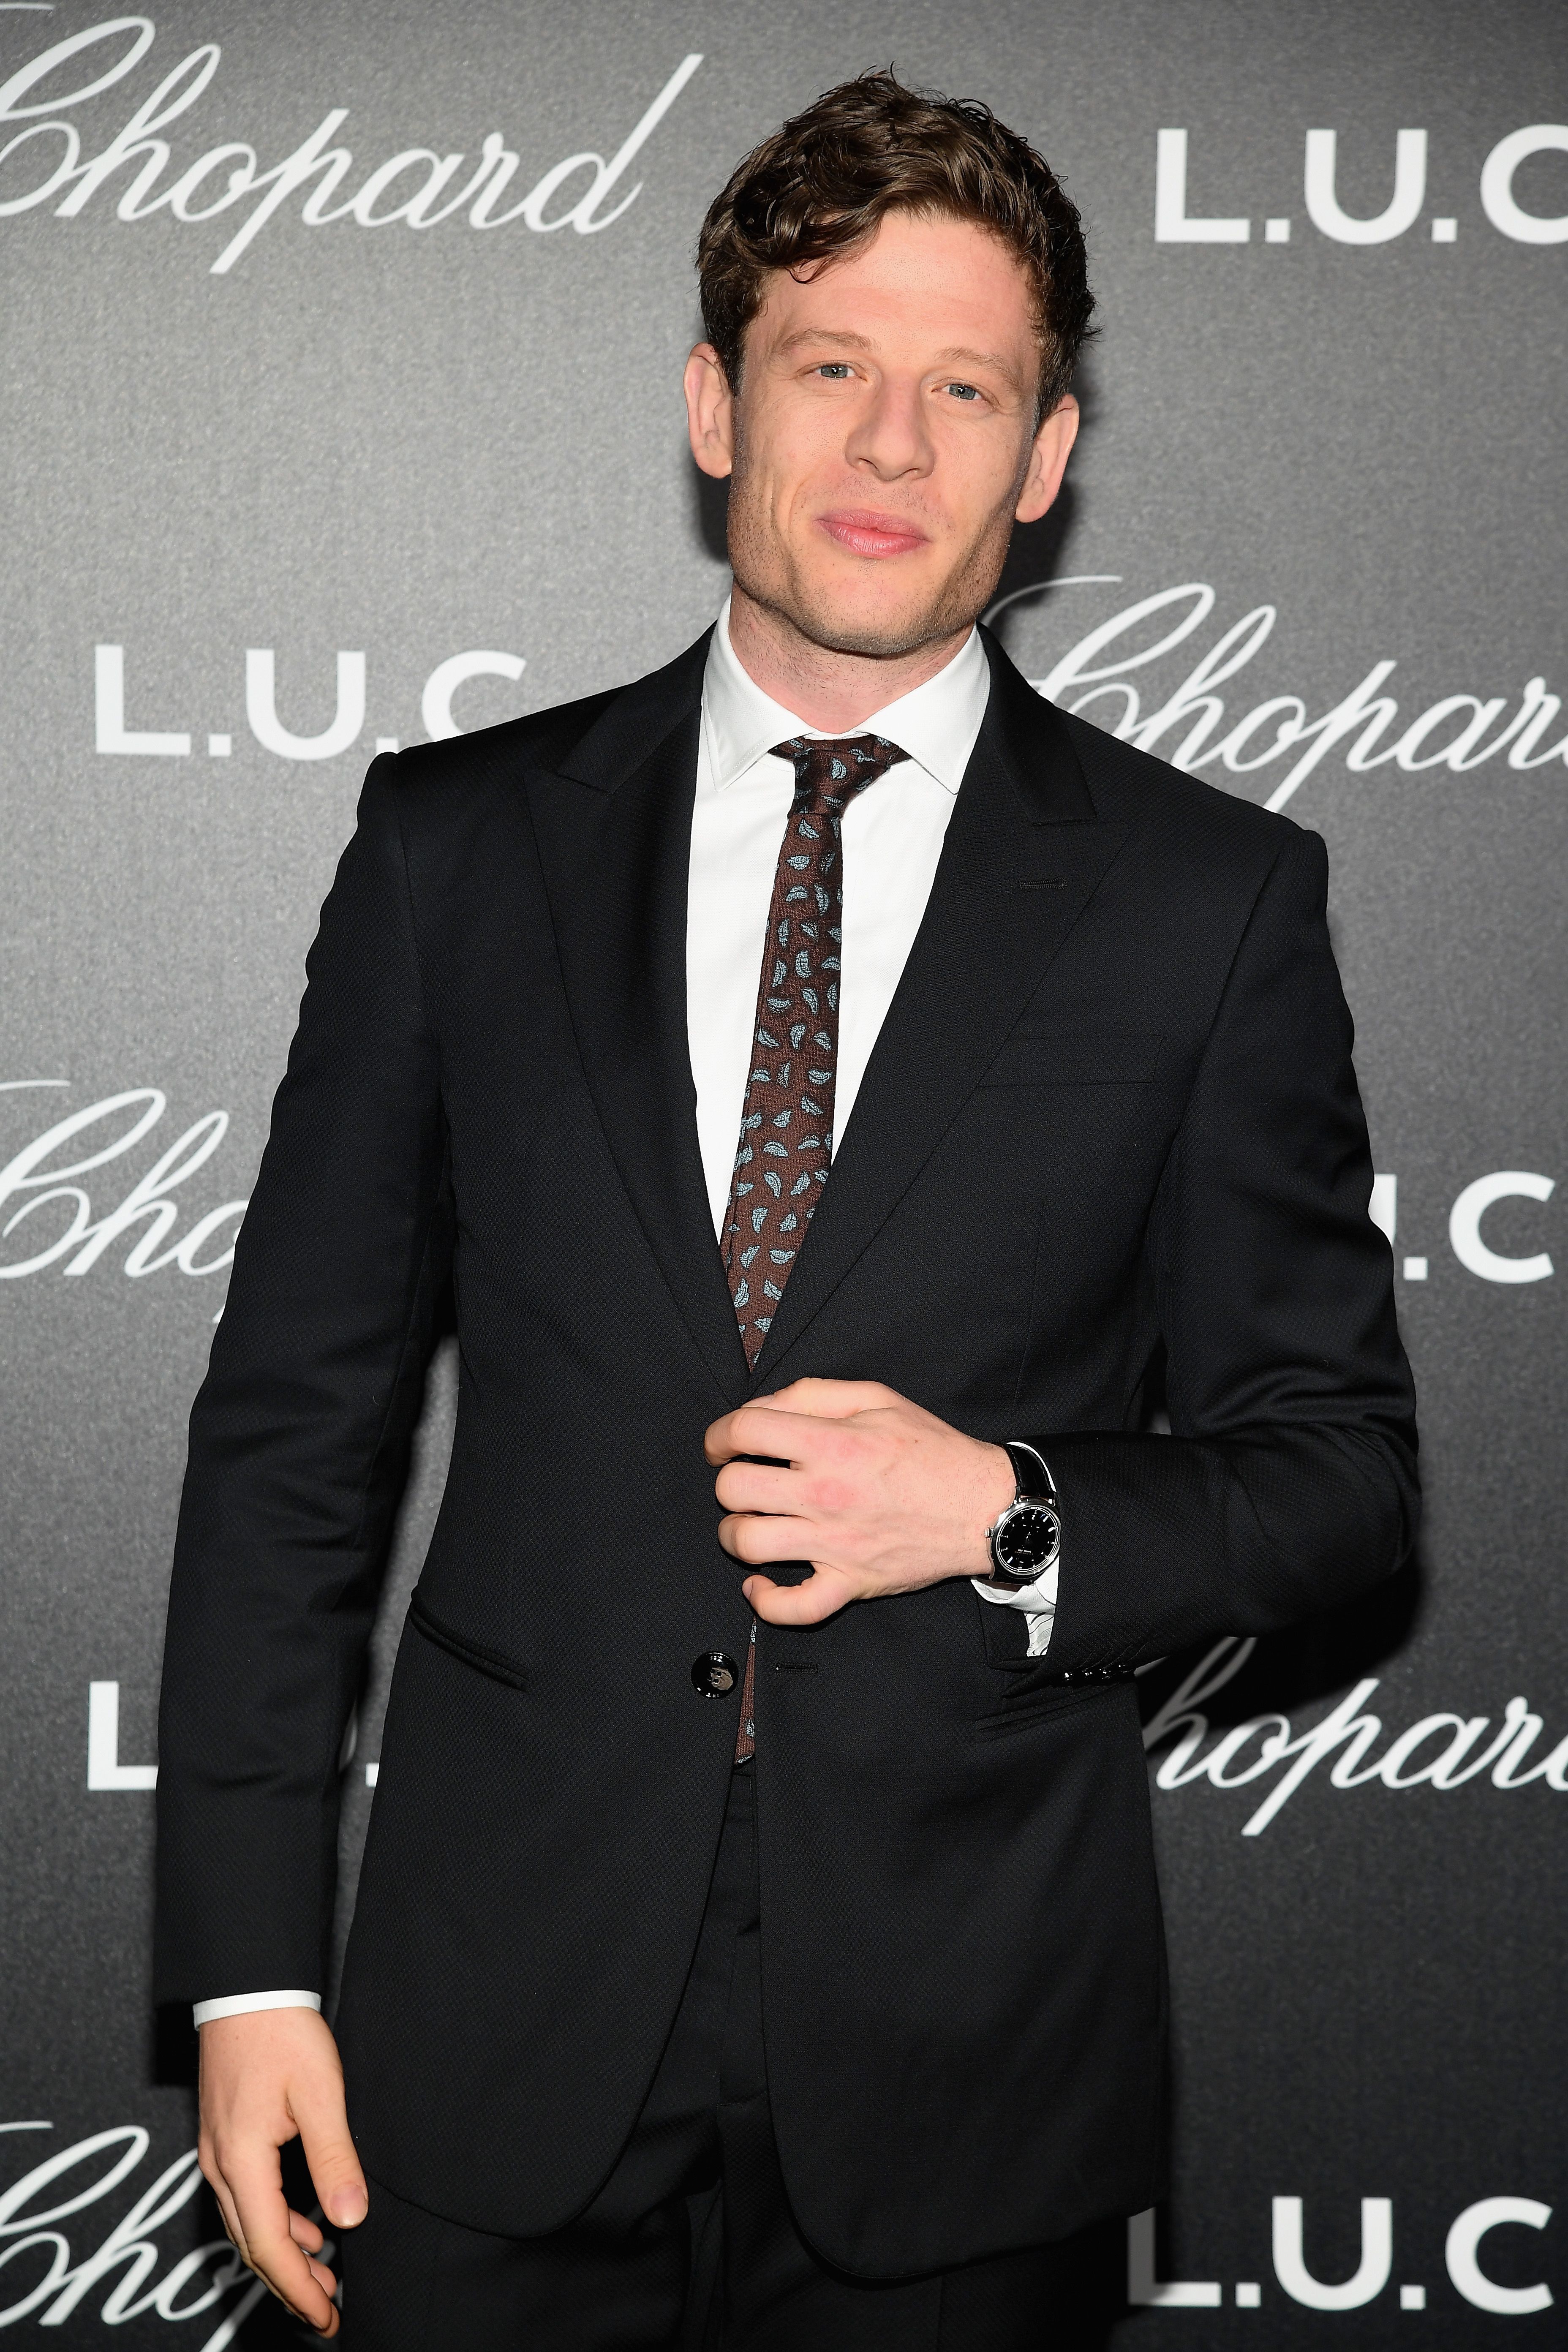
413 444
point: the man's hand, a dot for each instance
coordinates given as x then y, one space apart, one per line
878 1495
266 2078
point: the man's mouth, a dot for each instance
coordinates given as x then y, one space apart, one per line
866 533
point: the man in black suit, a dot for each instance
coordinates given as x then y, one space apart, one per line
822 1891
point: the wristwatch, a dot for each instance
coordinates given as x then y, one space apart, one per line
1027 1537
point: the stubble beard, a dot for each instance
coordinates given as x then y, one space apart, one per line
767 573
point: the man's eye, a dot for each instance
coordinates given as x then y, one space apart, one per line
835 370
962 391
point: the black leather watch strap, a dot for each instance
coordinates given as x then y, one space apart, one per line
1035 1484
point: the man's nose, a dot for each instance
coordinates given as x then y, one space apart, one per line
890 436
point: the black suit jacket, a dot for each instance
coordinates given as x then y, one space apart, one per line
1112 1112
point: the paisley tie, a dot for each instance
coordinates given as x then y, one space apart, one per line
786 1128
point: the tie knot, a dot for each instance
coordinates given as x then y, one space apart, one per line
831 771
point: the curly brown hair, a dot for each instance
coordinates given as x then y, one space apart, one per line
820 185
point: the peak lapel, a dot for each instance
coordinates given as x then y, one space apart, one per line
614 827
1024 815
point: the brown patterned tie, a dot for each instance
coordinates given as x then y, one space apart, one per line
786 1128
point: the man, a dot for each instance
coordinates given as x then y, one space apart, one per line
826 1882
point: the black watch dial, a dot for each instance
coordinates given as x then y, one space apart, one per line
1027 1541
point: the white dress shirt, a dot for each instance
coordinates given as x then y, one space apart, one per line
892 836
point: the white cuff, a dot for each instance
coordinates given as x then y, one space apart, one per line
1037 1600
241 2004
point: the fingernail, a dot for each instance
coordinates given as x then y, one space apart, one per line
348 2209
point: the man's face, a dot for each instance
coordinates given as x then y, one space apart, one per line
883 440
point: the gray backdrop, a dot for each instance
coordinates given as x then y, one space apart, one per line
267 471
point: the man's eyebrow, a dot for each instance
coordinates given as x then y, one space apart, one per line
825 335
958 354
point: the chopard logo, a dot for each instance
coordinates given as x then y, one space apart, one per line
1192 725
45 1175
1441 1751
49 2283
42 161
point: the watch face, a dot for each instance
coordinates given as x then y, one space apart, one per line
1028 1540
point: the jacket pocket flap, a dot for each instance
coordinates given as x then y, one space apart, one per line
499 1668
1051 1702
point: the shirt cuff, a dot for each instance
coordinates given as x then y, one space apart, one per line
241 2004
1037 1600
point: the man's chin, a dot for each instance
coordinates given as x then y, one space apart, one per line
872 633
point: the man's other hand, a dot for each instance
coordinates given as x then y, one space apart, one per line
266 2078
878 1493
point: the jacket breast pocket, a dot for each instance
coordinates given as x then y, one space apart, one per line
1085 1058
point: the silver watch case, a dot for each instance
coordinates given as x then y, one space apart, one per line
1027 1541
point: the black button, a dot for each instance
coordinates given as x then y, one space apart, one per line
714 1675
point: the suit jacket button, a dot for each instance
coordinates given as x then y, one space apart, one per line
714 1675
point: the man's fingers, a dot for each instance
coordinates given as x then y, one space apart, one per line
746 1431
268 2244
822 1595
770 1430
334 2167
754 1540
229 2211
305 2233
830 1400
784 1424
756 1487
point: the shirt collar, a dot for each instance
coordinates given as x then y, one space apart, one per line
936 724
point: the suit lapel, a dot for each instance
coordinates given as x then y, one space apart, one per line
614 827
1023 816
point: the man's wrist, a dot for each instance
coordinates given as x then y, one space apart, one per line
996 1488
246 2004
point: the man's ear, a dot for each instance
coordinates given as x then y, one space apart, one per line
1049 455
710 411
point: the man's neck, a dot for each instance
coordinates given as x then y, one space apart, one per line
835 692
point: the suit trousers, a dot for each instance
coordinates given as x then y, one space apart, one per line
691 2245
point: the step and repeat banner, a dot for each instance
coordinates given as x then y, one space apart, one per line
340 347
